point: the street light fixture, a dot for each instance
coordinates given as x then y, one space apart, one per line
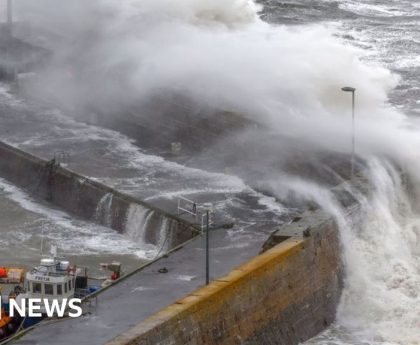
352 90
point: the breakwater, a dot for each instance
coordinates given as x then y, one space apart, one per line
91 200
286 295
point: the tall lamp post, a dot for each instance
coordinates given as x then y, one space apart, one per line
207 247
352 90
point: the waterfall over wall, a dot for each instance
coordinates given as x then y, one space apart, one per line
165 235
149 229
103 212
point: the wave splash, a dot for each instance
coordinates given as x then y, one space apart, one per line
288 79
381 297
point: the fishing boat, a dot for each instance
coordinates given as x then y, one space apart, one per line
8 325
11 275
11 281
53 280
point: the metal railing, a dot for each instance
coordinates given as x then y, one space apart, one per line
187 206
61 157
197 211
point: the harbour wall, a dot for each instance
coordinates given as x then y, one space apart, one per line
285 295
83 197
17 56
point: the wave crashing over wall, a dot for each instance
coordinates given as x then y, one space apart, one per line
381 253
103 212
152 232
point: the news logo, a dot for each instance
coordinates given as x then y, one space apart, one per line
39 307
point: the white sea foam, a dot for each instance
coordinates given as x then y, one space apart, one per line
382 295
137 225
287 79
103 212
70 235
368 9
271 203
381 299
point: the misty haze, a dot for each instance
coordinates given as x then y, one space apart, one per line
211 171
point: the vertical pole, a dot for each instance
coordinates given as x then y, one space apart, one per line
352 136
207 250
42 241
9 16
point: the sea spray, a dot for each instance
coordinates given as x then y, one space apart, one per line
288 79
381 299
165 236
71 236
381 296
137 224
217 54
103 212
152 236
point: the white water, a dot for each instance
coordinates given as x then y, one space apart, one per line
138 225
219 53
381 253
164 237
381 301
70 236
103 212
381 297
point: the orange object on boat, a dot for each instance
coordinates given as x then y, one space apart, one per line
5 319
16 274
11 275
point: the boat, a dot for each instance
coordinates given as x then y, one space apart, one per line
11 281
54 279
8 325
11 275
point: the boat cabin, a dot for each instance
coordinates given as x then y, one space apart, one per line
53 279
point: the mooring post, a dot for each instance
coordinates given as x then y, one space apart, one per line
207 249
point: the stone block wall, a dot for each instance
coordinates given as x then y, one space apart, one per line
80 196
284 296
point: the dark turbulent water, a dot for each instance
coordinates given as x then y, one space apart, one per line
383 268
114 159
388 32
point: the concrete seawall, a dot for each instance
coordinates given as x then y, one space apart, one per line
82 197
286 295
17 56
